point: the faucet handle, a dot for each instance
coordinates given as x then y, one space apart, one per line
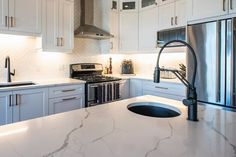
14 72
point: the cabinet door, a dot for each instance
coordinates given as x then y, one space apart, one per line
5 108
124 89
50 25
232 6
3 14
128 31
166 14
69 103
30 104
180 13
25 15
66 24
114 26
147 29
207 8
136 88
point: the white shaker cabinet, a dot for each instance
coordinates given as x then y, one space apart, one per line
21 17
58 25
114 25
129 26
66 98
136 87
232 6
166 16
172 15
25 15
124 89
5 108
201 9
29 104
3 14
148 24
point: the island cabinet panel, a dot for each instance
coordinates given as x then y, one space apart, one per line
136 87
5 108
64 104
30 104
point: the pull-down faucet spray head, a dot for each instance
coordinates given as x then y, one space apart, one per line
191 100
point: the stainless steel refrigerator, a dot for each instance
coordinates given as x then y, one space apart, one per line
215 46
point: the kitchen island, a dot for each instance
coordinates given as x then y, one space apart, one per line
111 130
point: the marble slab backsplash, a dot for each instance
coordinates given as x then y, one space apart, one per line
30 64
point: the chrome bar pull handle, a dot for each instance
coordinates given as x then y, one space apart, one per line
58 42
62 41
176 20
231 4
224 1
6 21
12 22
172 21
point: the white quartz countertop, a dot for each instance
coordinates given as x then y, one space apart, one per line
145 77
44 83
110 130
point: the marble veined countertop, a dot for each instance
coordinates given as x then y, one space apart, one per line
111 130
43 83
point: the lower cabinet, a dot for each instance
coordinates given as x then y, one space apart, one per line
29 104
5 108
20 105
167 90
64 104
124 89
136 87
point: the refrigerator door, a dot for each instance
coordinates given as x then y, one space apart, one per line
208 40
231 63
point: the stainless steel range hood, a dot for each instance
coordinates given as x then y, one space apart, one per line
87 28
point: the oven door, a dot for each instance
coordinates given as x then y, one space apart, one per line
101 93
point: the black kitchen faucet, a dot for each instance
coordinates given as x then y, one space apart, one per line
8 66
191 100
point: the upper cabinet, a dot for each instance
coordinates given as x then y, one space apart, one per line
232 6
58 25
21 17
114 25
128 26
172 15
148 26
203 9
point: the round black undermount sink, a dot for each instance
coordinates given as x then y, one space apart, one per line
152 109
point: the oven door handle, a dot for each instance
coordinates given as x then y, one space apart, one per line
93 86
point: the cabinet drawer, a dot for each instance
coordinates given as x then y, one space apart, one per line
167 88
62 91
65 104
164 95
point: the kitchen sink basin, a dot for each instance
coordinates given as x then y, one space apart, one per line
152 109
15 84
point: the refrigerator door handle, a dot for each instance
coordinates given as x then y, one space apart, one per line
218 51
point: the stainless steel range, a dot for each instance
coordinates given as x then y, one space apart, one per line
99 89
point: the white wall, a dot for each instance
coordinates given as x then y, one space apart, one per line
30 64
